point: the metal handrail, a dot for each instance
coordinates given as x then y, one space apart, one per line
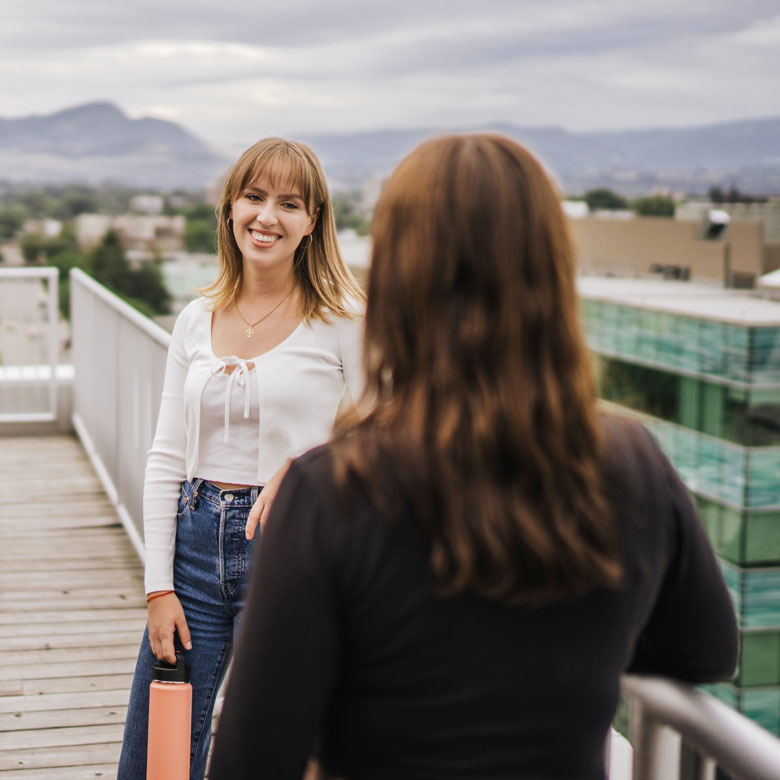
44 374
119 363
665 712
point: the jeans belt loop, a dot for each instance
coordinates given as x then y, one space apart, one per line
196 483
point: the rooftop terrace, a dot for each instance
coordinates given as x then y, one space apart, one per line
72 605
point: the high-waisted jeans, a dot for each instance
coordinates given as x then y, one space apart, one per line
211 573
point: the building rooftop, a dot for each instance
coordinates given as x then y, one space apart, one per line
690 299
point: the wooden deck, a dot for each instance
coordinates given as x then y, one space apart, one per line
72 611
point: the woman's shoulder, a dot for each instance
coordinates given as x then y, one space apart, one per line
340 326
626 441
639 478
194 313
199 307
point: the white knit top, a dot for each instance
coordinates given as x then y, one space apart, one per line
226 419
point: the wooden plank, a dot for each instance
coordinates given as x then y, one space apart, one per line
68 579
64 737
64 655
44 522
91 505
11 687
131 637
53 537
57 719
70 756
135 618
64 701
80 560
96 666
71 616
90 772
137 601
107 682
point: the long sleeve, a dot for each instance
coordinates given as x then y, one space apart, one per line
287 659
692 631
165 469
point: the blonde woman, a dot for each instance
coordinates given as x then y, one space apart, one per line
256 370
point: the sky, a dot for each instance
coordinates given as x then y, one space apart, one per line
234 72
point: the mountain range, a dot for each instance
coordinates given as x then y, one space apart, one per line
97 142
745 154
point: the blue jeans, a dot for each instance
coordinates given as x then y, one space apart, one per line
210 577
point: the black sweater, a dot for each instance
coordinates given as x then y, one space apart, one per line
343 638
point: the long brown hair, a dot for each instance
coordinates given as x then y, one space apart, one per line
323 278
478 378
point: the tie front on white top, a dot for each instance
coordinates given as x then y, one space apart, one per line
238 372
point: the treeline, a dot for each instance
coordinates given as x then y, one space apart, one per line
142 287
603 199
19 202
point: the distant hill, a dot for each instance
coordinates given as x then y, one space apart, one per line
97 142
743 153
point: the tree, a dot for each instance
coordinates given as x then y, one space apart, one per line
603 198
654 206
11 220
733 195
64 261
143 287
348 215
200 235
147 285
109 264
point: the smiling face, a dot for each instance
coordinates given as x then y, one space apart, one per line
269 222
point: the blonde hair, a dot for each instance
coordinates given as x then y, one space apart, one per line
323 278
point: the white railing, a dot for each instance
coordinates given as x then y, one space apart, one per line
29 344
119 365
665 715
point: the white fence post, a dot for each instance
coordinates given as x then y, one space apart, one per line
29 344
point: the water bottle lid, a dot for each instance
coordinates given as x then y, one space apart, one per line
175 673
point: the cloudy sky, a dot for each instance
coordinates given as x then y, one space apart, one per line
234 72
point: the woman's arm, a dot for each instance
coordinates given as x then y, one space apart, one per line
165 471
165 467
692 632
287 659
261 507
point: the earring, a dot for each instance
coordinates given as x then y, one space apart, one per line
306 246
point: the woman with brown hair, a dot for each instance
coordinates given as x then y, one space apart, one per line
454 586
256 371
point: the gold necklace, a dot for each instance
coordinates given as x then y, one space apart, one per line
250 331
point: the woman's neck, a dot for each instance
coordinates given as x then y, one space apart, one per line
258 286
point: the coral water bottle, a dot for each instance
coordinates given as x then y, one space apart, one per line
170 712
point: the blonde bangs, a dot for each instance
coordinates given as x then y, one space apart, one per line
283 166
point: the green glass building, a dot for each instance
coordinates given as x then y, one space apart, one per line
701 366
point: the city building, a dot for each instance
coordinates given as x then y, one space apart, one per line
735 253
700 366
137 232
